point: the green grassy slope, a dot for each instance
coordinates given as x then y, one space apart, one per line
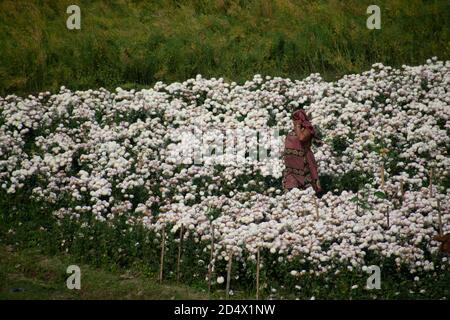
28 274
136 43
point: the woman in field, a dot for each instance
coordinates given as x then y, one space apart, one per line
301 167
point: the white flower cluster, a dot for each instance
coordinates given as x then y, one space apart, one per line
339 235
114 153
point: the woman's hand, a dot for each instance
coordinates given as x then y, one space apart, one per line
303 134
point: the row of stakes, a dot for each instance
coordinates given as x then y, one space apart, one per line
210 265
402 192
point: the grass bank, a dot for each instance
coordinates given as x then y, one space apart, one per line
136 43
28 274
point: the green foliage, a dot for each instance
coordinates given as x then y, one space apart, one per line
380 195
43 276
136 43
339 144
351 181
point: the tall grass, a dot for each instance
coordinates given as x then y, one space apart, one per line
136 43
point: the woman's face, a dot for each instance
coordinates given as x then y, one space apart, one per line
297 125
297 128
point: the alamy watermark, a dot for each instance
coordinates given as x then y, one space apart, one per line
374 20
221 146
374 280
73 22
74 280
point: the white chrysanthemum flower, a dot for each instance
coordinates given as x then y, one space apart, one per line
220 280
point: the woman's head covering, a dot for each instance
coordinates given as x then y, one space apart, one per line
300 117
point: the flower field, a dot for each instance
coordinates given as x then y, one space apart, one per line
109 172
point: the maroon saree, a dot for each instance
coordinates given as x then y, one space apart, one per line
300 164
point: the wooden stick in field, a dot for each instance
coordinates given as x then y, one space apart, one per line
357 202
317 207
384 151
431 181
179 253
387 217
229 275
257 274
163 245
402 193
439 217
211 257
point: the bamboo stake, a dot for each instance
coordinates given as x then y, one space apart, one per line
402 192
317 208
257 274
357 202
229 275
440 218
382 175
387 217
163 244
431 181
211 257
179 253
